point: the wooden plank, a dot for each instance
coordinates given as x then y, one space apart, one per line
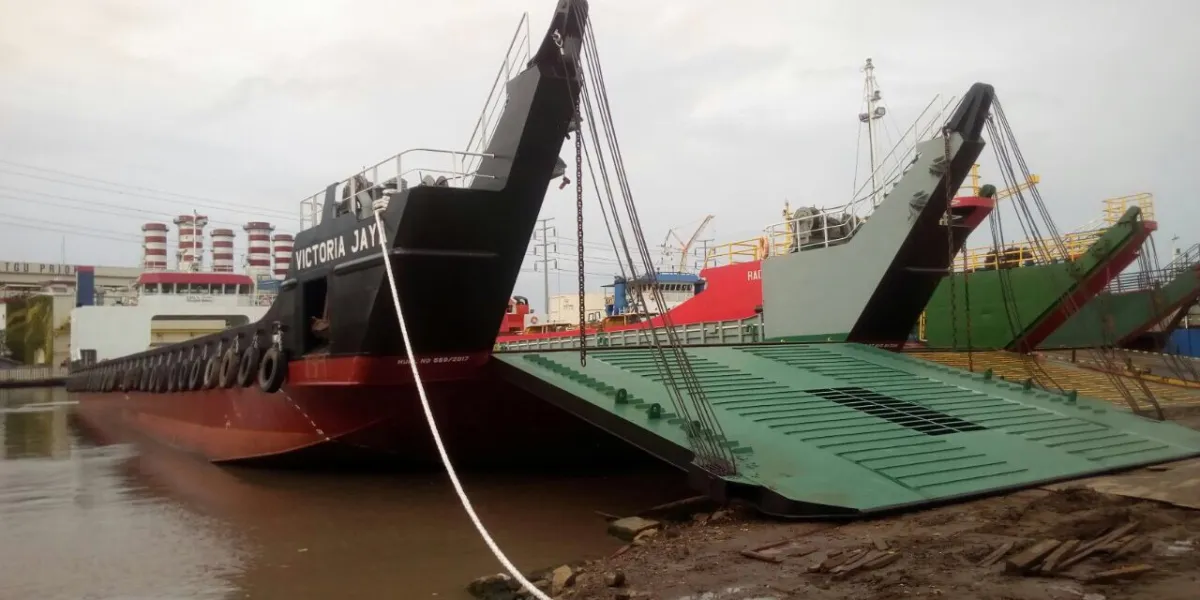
997 554
1031 556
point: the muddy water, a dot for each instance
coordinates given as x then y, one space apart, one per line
83 519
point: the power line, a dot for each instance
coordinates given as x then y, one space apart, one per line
91 205
82 232
186 200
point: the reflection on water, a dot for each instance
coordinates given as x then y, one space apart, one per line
82 520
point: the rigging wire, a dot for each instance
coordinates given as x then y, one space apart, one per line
682 385
1007 153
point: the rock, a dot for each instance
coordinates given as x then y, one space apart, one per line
628 528
561 579
643 537
614 579
491 586
720 515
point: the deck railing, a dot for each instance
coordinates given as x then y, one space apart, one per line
29 374
743 331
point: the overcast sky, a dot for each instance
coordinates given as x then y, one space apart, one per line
722 107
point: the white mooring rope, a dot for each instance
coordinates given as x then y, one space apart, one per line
379 206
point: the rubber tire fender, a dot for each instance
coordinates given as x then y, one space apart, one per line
272 370
248 366
172 377
147 378
183 375
212 372
163 385
229 368
195 374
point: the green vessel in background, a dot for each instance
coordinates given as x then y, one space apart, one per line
1017 298
1141 308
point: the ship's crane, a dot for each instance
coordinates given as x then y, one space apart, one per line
685 247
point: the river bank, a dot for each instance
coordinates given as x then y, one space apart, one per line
1040 544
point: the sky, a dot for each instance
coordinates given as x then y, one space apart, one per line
238 109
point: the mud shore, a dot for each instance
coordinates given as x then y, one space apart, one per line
1062 542
991 549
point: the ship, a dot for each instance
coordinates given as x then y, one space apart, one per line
324 369
896 249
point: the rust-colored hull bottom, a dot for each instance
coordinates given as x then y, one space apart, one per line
483 422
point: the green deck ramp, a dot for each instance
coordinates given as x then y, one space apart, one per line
1130 314
847 429
1037 291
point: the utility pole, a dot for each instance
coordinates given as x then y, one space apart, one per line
546 245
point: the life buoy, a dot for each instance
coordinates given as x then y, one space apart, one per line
533 320
229 368
248 366
212 372
272 370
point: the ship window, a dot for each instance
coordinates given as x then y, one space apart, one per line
168 288
243 289
150 288
231 288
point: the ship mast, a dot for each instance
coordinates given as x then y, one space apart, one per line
874 112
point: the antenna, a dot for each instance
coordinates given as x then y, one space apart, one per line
874 112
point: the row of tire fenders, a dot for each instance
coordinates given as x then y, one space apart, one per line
232 369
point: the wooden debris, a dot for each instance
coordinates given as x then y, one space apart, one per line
1120 573
621 550
606 516
1027 559
1113 545
1110 536
882 561
678 508
1134 546
772 546
836 559
1093 547
1051 561
880 545
997 554
849 568
771 558
1158 468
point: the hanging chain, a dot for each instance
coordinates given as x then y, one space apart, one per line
949 221
579 232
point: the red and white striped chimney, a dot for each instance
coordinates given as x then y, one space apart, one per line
282 243
154 246
258 251
190 253
222 252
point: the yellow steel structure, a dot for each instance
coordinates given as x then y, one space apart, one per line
1115 207
1018 367
1002 194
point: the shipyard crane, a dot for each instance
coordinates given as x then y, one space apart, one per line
685 247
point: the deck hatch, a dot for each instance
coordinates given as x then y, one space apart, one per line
901 412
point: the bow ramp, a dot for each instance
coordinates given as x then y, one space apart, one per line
847 429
